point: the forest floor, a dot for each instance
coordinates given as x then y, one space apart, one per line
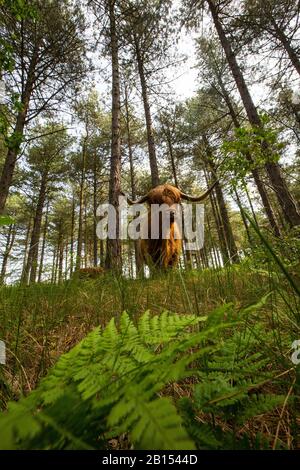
41 322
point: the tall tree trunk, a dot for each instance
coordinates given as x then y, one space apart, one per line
43 244
188 259
287 203
95 238
102 254
27 238
226 225
284 197
215 256
293 55
72 236
32 260
113 246
138 261
150 137
53 265
250 203
245 221
60 254
86 243
11 158
56 263
266 202
66 258
219 226
171 154
81 203
14 148
8 247
255 172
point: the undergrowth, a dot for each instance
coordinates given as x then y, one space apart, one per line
208 365
119 380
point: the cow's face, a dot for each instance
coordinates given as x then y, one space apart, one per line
171 199
161 220
170 210
165 199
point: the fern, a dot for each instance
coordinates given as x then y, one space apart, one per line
260 404
226 387
114 381
110 383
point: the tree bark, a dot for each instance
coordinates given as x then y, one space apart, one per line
220 232
226 225
14 148
255 172
150 137
287 203
266 203
284 197
81 203
8 247
95 238
26 250
66 258
245 222
60 254
287 45
86 241
53 265
250 203
32 261
214 253
72 236
138 261
171 153
225 222
56 263
43 244
113 246
102 254
188 259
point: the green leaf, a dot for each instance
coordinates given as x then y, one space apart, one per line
159 427
6 220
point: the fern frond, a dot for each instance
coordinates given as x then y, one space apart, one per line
260 404
159 427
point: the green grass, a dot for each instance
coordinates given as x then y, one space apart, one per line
41 322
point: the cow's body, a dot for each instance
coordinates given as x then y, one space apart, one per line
164 250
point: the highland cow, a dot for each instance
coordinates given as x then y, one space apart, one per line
163 251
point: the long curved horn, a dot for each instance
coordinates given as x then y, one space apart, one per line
203 196
138 201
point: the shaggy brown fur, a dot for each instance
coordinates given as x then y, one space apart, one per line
164 251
